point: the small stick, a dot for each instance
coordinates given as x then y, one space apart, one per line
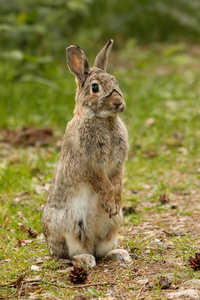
92 284
138 295
79 285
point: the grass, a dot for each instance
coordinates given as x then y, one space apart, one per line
161 87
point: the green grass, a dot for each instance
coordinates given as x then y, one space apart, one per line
41 95
160 82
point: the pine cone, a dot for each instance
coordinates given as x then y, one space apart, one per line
78 275
195 262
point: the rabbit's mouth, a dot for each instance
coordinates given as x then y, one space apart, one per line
110 106
116 102
118 107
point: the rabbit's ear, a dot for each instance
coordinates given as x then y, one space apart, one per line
77 62
102 57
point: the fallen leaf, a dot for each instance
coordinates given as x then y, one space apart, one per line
149 122
22 242
146 186
26 287
5 236
35 268
5 222
150 154
41 237
28 242
163 199
39 261
31 232
142 281
164 282
36 292
127 210
21 196
183 150
5 260
47 187
21 226
20 214
17 283
81 297
174 142
39 189
41 207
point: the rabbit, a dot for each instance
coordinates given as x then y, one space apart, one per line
82 213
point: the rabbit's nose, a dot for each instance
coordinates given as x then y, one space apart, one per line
119 106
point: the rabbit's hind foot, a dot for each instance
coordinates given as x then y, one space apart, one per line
58 250
87 260
119 254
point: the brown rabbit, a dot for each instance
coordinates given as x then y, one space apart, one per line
82 213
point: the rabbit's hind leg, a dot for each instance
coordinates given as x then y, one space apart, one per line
57 248
107 244
80 251
119 254
107 247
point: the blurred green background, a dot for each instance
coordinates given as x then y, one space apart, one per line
35 85
156 60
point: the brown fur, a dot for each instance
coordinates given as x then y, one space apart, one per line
82 212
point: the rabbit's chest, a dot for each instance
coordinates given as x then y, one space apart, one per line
111 151
117 153
104 144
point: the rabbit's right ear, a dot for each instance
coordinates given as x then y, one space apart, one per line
77 62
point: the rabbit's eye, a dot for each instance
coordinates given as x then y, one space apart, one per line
95 87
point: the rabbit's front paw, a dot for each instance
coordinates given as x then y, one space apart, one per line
110 207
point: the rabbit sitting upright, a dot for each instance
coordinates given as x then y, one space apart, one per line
82 213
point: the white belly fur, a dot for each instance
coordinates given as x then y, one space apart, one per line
84 206
96 223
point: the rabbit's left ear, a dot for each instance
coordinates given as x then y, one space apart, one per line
102 57
77 62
